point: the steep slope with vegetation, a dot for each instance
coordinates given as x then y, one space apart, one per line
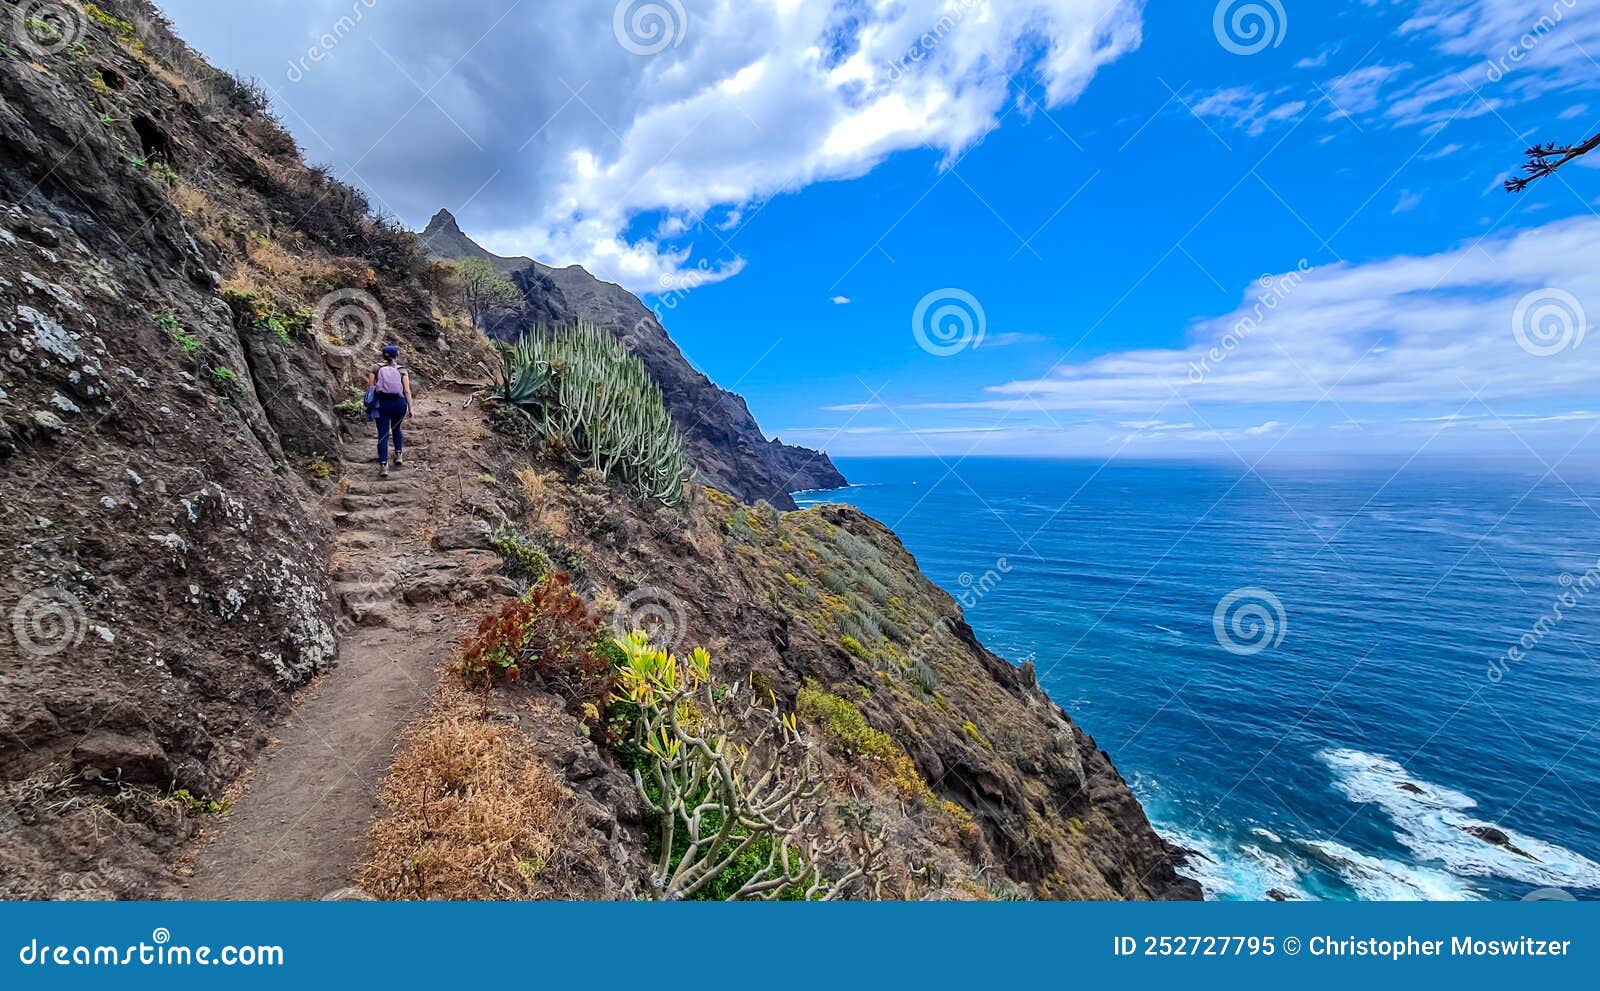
926 766
183 305
728 447
189 312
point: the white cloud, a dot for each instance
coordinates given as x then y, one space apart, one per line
1358 92
1246 108
1005 340
1408 201
548 138
1504 51
1488 55
768 96
1417 329
841 301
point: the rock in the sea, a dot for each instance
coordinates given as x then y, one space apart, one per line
1497 837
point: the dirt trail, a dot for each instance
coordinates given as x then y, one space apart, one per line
407 557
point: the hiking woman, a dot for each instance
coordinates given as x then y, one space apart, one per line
391 385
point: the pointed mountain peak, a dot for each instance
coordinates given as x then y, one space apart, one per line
443 221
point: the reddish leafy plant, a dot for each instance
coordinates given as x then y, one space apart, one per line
546 636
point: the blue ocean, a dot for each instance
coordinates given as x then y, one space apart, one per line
1327 679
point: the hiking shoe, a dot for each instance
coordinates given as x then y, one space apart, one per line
383 471
399 459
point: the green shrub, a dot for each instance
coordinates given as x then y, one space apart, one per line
354 408
525 561
844 724
254 309
120 29
175 330
484 291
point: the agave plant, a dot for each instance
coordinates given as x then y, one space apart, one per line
525 383
593 397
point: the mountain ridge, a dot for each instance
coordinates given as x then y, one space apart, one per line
727 445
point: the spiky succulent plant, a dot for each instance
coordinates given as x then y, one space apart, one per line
590 395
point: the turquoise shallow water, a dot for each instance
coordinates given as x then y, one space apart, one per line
1350 726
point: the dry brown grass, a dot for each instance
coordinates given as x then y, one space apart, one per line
543 512
534 487
471 815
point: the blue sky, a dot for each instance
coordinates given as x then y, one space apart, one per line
1109 189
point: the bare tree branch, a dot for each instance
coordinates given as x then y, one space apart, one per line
1544 160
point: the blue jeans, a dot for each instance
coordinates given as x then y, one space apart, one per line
391 413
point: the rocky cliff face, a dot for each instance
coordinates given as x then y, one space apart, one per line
728 447
184 305
167 429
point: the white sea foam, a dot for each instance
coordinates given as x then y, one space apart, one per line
1247 871
1432 821
1375 879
